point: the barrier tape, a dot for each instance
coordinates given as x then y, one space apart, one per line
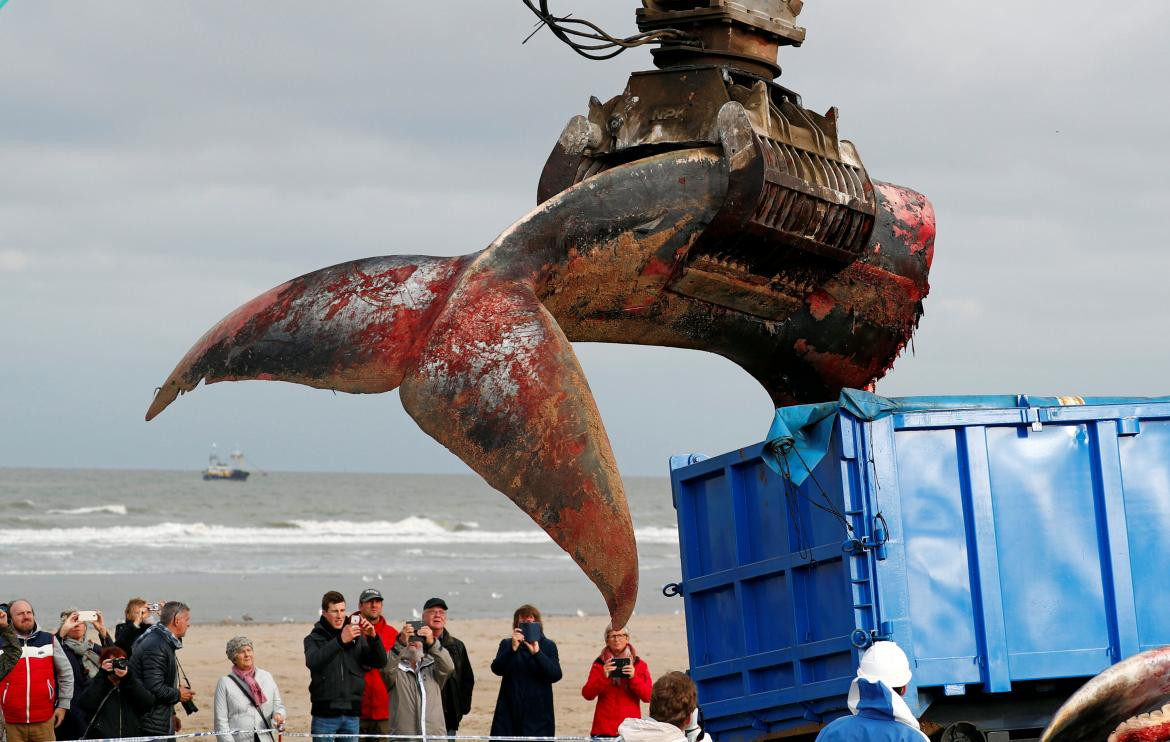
279 734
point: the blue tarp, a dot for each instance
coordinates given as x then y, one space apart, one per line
799 436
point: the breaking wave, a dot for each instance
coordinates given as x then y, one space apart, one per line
110 509
412 530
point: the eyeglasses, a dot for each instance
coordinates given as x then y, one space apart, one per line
618 636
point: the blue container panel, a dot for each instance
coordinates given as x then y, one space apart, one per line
824 605
770 605
1046 518
718 622
933 480
768 602
1145 465
710 506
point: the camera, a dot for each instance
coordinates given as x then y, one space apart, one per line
618 664
189 707
154 607
531 631
416 625
120 663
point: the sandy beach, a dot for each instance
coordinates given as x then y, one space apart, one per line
659 639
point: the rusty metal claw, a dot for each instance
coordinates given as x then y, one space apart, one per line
701 209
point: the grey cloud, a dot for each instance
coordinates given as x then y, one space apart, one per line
164 162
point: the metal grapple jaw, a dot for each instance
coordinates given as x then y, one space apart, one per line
703 208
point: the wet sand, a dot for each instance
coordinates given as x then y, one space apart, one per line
660 640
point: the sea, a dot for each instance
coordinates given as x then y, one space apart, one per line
266 549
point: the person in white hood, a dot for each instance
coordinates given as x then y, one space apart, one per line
672 703
875 700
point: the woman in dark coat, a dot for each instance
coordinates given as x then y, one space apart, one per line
528 669
114 701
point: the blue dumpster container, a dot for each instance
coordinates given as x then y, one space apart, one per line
1012 546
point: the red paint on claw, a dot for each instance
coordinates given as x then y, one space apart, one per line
914 217
820 304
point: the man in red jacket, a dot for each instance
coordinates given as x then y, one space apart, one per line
376 698
39 690
620 680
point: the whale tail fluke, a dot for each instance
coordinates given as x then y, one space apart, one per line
484 369
500 386
353 327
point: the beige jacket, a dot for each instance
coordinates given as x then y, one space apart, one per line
416 695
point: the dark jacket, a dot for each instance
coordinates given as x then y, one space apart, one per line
11 649
524 707
155 666
76 719
337 671
125 634
115 710
457 689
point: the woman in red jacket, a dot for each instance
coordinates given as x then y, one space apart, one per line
620 681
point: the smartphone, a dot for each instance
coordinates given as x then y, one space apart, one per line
355 619
416 625
618 664
532 632
87 616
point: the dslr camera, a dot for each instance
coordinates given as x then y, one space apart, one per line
189 707
120 663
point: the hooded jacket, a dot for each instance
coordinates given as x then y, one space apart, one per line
337 671
649 730
616 701
524 707
879 715
155 665
39 683
416 694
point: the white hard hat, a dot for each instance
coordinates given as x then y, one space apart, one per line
885 661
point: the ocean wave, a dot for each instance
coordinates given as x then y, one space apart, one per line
408 531
110 509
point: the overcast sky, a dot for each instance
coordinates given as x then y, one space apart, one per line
162 162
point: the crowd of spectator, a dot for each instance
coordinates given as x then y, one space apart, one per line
366 677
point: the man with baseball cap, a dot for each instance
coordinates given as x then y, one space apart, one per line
875 700
375 717
457 689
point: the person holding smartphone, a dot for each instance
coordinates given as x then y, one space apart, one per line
83 658
338 652
528 664
620 681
